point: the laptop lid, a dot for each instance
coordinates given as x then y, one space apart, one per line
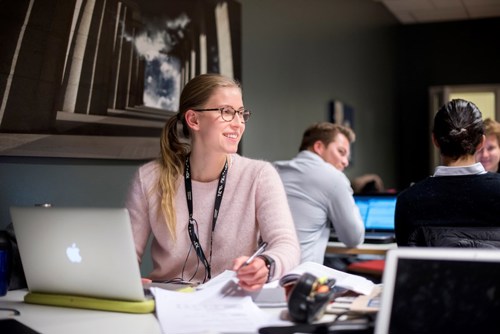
78 251
377 211
440 290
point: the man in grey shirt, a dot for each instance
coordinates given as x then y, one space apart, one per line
319 193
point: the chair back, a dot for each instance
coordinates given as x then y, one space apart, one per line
455 236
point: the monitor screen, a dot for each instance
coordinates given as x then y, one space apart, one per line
377 211
445 296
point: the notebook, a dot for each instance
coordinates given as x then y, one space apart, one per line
440 290
80 257
377 211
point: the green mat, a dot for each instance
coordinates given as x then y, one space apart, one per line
146 306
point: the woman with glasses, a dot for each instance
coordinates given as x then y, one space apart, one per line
208 208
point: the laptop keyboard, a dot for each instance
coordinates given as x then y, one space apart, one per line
371 237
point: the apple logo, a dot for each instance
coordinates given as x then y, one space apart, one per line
73 253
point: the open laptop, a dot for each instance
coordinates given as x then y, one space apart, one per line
377 211
80 252
440 290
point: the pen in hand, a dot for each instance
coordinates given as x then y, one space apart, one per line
259 251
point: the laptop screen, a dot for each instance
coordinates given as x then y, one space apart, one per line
78 251
377 211
429 290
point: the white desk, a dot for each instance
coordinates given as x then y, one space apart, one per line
62 320
375 249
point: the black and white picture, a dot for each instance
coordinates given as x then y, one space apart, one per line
98 78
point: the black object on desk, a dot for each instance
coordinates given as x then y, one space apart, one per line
309 297
10 325
340 327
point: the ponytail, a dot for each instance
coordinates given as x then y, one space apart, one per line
173 155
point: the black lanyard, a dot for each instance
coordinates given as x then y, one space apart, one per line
191 225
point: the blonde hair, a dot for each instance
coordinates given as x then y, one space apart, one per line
174 142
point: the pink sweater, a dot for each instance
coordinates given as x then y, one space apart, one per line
254 204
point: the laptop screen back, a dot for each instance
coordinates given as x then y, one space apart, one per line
377 211
78 251
429 290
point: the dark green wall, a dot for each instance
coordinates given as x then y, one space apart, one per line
298 55
63 182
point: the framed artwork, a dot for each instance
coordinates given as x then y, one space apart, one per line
99 78
343 114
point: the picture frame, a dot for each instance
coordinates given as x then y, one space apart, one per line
98 79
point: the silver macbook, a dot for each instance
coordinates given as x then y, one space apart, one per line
440 290
78 251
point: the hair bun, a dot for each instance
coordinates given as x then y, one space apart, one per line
456 132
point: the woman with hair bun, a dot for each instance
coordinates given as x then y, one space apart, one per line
460 193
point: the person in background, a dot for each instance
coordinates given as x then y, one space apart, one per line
319 193
367 184
207 207
489 156
459 194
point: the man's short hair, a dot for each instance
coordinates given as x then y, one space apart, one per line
326 132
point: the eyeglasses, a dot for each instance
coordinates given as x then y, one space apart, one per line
228 113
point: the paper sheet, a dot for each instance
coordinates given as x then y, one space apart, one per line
271 295
218 306
355 283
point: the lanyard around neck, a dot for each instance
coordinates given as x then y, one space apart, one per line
192 222
218 194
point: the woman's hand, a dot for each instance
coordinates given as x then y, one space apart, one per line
252 276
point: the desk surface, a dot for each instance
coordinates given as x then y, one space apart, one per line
63 320
55 320
376 249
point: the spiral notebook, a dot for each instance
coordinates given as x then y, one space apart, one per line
80 257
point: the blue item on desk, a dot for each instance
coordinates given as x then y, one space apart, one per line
5 263
377 211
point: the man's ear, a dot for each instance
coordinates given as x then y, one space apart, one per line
192 120
318 147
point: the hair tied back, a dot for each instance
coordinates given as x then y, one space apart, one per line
456 132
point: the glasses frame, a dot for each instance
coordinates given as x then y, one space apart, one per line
240 112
